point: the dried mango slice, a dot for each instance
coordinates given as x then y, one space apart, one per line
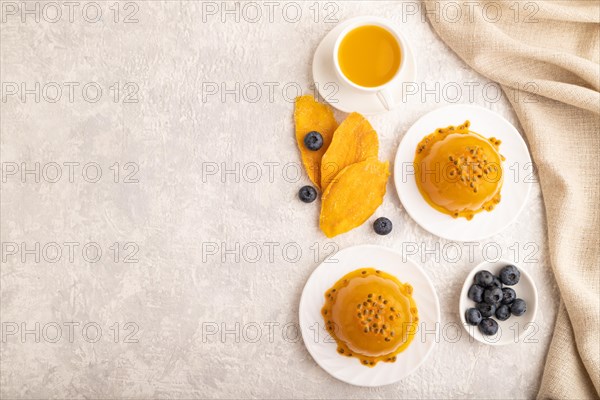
353 196
313 116
354 141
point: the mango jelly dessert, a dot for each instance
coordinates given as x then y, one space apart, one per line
371 315
458 171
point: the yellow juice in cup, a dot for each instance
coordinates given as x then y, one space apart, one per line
369 56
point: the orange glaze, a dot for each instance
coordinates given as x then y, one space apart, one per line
371 315
458 171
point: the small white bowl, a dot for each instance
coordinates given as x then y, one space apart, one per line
515 329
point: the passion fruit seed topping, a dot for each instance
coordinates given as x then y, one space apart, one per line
376 311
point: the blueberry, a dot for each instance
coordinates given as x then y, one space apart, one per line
503 312
313 141
484 278
307 194
492 296
508 295
473 316
518 307
476 293
488 326
510 275
495 283
486 310
382 226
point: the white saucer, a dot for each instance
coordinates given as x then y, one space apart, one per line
342 96
515 329
518 174
323 348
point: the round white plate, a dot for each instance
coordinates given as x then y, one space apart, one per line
518 174
342 96
515 329
323 348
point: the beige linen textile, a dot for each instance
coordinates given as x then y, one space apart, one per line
548 65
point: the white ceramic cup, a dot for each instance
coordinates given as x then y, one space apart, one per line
384 92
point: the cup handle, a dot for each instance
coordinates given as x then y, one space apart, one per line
386 98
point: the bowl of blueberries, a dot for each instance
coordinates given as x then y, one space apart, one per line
498 303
